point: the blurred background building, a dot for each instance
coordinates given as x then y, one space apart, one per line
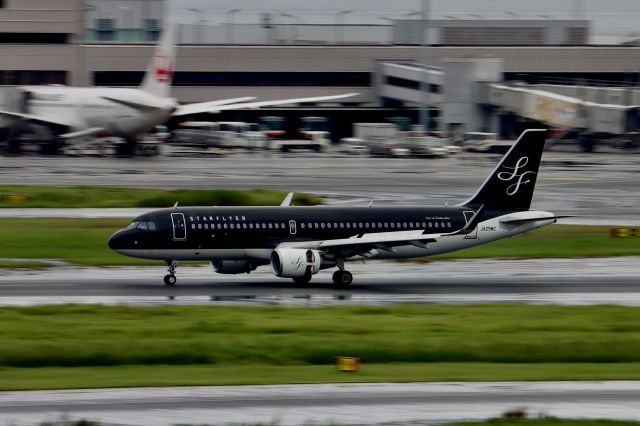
280 55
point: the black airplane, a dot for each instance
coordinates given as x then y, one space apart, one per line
300 241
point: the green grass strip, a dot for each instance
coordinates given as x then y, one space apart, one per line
546 421
86 336
233 374
84 242
96 197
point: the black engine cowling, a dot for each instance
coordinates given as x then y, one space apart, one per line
232 266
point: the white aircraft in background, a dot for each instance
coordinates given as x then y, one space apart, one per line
77 112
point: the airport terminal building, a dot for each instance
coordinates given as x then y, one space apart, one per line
108 43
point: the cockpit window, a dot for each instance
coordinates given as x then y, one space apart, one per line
146 225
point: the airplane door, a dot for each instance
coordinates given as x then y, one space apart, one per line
473 234
292 227
179 226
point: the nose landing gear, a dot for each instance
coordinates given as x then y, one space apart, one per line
170 278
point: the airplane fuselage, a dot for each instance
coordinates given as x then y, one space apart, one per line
252 233
86 108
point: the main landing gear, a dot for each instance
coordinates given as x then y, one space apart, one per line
170 278
342 278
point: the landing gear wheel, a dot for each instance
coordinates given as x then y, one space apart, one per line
342 278
302 280
170 278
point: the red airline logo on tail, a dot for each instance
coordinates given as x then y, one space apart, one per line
162 68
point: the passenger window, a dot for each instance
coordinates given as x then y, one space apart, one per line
251 226
366 225
206 226
322 225
277 225
437 224
271 226
424 224
348 225
329 225
193 226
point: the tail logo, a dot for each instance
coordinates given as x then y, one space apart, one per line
514 174
162 68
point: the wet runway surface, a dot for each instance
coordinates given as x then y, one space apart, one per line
557 281
353 404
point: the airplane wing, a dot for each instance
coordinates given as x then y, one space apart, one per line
259 104
212 106
81 133
132 104
363 244
37 118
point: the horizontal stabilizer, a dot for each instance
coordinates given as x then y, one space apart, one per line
532 219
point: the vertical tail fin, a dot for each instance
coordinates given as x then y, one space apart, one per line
159 75
510 185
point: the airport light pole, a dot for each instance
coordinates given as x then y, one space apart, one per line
124 10
230 24
286 32
339 22
197 26
424 81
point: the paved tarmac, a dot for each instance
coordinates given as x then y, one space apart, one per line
349 404
593 186
556 281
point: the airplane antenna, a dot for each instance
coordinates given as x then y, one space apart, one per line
287 200
175 206
370 203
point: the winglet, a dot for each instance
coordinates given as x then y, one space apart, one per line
287 200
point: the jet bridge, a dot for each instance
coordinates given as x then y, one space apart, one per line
561 110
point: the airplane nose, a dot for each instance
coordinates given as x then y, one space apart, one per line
116 241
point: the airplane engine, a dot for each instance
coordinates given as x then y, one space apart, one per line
232 266
295 263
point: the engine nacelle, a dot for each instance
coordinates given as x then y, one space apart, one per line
295 263
232 266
